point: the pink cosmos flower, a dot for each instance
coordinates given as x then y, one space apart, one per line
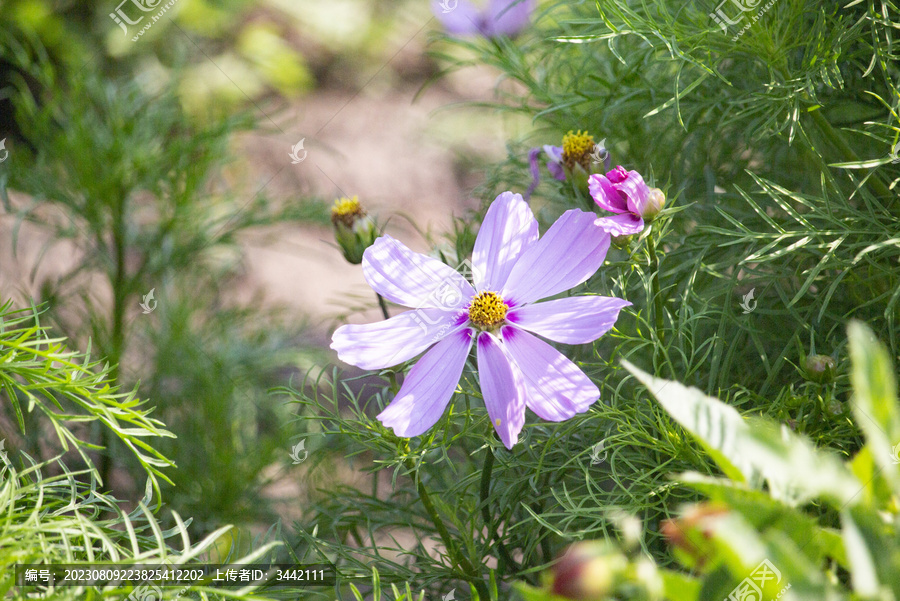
512 268
625 193
499 17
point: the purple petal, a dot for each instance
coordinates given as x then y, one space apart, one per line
574 320
460 17
624 224
398 339
617 175
414 280
636 191
509 227
428 387
554 153
501 387
557 171
508 17
557 389
606 195
569 253
554 164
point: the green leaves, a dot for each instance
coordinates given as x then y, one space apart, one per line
747 524
39 373
875 399
754 451
47 514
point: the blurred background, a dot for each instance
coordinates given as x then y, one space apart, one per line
166 196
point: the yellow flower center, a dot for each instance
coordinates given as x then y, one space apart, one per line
346 210
487 310
577 148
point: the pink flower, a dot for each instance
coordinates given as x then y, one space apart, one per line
512 268
624 193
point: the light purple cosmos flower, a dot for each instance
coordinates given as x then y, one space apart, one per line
624 193
499 17
512 268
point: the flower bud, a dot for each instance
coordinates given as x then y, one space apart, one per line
820 369
691 532
588 571
354 231
655 202
622 241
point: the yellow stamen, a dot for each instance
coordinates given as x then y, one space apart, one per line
577 148
346 210
487 310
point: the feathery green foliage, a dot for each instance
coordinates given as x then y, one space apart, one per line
774 150
40 375
142 196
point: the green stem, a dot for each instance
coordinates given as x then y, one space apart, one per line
461 561
838 142
486 471
117 344
383 305
654 288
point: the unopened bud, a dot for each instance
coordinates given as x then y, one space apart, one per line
820 368
655 202
588 571
691 532
354 231
622 241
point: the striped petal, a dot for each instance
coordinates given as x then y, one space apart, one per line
556 388
508 229
395 340
624 224
606 195
501 386
428 387
412 279
568 254
574 320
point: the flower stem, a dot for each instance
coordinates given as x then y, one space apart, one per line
383 305
654 288
461 561
486 471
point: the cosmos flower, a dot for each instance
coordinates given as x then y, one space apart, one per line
574 160
625 193
499 17
512 268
